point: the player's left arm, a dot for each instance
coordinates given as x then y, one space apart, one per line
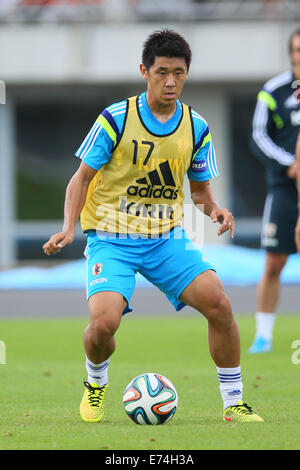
202 197
204 167
297 230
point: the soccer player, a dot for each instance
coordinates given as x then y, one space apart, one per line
275 130
129 192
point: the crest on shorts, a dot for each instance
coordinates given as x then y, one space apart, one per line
270 230
97 269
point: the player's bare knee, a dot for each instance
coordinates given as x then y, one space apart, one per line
104 326
220 312
274 267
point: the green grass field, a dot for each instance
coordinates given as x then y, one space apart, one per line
41 387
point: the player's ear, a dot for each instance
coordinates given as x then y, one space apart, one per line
144 71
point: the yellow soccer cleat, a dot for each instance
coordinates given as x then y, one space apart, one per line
91 406
241 413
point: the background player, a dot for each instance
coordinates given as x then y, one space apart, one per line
130 183
275 128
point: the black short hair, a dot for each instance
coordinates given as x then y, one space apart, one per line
295 33
165 43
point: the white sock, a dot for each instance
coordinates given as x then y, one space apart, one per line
265 324
231 386
97 373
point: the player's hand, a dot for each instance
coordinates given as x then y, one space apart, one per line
57 242
225 219
292 170
297 234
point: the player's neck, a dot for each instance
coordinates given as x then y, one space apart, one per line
163 112
296 72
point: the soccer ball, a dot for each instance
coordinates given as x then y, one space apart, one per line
150 399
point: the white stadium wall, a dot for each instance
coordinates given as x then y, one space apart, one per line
230 51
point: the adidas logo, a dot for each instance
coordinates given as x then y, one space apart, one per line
155 180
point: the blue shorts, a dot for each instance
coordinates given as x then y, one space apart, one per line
170 263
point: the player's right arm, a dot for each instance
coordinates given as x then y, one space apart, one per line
297 230
94 152
74 201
